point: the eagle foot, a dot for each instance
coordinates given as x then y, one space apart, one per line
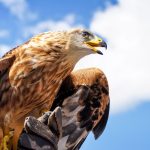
7 141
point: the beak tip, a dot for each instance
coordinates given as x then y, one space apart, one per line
103 44
99 52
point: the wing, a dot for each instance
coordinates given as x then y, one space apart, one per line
100 126
84 98
5 64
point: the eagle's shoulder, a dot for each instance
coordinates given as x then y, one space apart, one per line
6 61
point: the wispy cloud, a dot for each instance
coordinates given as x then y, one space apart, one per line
4 34
51 25
126 64
42 26
20 9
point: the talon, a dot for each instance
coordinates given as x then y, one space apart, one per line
6 142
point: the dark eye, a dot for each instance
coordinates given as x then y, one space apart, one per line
86 34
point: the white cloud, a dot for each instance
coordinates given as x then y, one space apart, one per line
4 49
51 25
4 34
19 8
127 62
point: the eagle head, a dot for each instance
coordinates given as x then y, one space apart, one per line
82 42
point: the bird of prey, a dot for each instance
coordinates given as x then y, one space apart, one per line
87 110
32 73
83 100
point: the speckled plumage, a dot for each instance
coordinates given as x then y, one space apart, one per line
31 74
84 98
29 78
83 101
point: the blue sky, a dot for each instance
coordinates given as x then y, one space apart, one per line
125 131
126 63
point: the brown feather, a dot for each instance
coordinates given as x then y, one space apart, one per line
83 109
31 74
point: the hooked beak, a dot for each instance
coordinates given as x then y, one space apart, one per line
95 44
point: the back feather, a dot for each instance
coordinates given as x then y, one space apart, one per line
84 98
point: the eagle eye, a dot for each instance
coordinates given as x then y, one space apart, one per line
85 34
